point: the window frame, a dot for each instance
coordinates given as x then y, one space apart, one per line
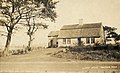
64 41
68 41
87 40
92 40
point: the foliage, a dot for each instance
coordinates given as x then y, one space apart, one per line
111 33
14 10
94 53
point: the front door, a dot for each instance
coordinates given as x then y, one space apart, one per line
51 42
79 41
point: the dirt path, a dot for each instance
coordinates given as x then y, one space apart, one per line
39 55
39 61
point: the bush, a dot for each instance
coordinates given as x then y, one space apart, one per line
101 52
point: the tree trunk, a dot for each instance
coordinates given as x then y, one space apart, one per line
8 41
29 43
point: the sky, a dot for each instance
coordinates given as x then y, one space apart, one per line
70 12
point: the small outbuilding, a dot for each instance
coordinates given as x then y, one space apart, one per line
53 39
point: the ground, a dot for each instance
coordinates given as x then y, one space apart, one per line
41 61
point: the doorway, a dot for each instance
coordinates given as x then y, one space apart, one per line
79 41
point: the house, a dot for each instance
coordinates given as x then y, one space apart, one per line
77 35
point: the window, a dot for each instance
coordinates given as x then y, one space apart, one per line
87 40
68 41
92 40
64 41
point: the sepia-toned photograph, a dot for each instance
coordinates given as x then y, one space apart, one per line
59 36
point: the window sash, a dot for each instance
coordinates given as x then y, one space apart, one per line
64 41
68 41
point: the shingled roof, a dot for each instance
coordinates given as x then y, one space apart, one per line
85 30
53 34
74 26
69 33
77 26
92 25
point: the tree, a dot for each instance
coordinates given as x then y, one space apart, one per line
111 33
32 27
13 11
